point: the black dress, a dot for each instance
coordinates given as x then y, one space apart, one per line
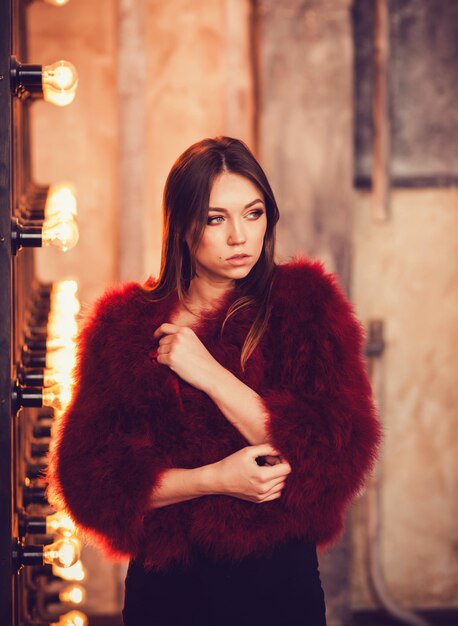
282 589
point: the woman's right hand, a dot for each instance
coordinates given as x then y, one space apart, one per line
240 476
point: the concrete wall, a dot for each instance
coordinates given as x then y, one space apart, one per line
199 86
405 272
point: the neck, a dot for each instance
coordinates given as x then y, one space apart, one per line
203 292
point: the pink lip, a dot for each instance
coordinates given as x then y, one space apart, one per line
238 260
238 256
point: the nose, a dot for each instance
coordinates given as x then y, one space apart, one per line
236 233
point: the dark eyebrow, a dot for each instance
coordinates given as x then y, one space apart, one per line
217 208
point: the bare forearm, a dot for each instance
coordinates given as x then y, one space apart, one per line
178 485
239 404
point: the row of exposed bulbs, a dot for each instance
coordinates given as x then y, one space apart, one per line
54 83
49 347
50 384
45 379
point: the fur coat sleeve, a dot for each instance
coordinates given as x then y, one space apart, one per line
321 413
103 462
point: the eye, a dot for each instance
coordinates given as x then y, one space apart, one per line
216 217
257 212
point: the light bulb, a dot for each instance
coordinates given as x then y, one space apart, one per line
61 200
74 572
56 343
62 235
58 396
73 618
51 377
56 3
68 286
63 303
76 594
63 552
63 326
61 523
62 360
59 82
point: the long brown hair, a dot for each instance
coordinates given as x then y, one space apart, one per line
185 207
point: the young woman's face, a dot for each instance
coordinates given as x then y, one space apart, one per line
236 224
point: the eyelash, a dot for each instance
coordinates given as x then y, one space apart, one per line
210 222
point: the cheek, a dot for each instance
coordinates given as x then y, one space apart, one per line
210 244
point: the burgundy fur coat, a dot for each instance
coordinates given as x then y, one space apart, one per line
131 418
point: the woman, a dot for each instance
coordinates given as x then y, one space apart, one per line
222 419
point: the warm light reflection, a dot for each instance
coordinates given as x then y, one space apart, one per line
76 594
63 304
63 552
57 396
61 523
59 82
57 343
62 325
74 572
56 3
73 618
69 286
62 360
51 377
61 201
61 235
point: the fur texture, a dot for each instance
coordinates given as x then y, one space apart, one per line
131 418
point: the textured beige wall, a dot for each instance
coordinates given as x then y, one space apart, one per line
199 86
405 272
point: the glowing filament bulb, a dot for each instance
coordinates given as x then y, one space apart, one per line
61 202
74 572
73 618
63 235
76 594
56 343
61 523
63 552
62 326
61 303
59 82
57 3
69 287
52 377
62 360
58 396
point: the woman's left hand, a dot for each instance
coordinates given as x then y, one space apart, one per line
183 352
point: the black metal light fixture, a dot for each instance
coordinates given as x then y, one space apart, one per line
54 83
63 552
59 234
56 523
56 396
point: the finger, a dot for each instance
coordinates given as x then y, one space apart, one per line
165 328
278 482
163 350
263 449
273 460
272 494
276 471
166 339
